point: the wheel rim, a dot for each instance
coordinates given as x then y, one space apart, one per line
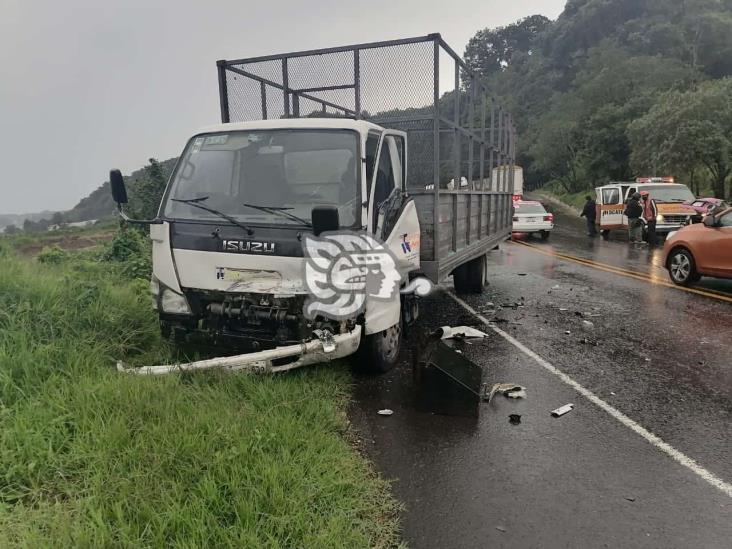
680 267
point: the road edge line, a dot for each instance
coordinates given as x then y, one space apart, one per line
655 440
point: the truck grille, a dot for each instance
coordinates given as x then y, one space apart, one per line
674 219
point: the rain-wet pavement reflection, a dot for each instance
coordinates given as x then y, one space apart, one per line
661 356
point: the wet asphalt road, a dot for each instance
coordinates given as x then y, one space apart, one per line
661 356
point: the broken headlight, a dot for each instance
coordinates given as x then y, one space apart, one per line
174 303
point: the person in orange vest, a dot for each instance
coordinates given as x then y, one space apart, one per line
650 212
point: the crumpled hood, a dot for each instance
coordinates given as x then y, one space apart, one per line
219 271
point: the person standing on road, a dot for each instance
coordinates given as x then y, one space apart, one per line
634 211
650 211
589 212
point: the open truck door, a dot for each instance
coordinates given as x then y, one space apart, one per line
610 213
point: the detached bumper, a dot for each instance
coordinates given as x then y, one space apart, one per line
278 359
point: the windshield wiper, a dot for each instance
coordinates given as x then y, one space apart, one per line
279 210
195 202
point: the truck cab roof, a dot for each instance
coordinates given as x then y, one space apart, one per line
361 126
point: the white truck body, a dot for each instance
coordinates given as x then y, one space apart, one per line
230 238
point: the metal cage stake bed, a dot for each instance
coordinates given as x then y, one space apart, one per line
461 142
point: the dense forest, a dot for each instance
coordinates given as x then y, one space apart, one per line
615 89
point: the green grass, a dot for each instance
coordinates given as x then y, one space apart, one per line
90 457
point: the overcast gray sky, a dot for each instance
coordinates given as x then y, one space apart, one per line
86 85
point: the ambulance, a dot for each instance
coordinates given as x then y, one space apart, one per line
668 195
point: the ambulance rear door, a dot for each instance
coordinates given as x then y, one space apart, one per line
611 207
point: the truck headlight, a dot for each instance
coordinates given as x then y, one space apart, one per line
172 302
659 218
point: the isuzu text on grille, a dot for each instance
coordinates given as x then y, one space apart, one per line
248 246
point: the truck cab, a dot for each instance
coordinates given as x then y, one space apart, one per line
228 259
668 196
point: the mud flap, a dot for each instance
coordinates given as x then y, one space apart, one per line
446 381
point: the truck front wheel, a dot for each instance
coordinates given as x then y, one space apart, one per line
379 352
470 277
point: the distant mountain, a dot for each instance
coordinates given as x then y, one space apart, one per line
18 219
99 204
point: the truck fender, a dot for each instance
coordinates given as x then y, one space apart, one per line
162 257
404 242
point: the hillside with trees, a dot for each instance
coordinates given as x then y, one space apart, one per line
615 89
145 187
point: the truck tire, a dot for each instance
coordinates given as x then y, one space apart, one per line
605 234
379 352
544 235
470 277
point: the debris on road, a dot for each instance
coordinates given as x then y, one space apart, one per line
559 412
385 412
500 528
567 332
510 390
458 332
514 419
629 498
587 325
447 382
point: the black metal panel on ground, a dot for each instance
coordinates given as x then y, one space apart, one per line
447 382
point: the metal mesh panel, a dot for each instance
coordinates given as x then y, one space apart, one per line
397 78
395 84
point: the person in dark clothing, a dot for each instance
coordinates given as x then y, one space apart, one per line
634 211
589 212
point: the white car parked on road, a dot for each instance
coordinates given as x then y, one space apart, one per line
531 217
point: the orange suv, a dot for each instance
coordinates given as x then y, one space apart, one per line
702 249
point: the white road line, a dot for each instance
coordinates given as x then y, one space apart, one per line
680 457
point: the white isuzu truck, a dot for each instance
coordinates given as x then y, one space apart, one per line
362 140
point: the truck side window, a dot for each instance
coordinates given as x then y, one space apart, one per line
611 196
372 144
402 165
384 180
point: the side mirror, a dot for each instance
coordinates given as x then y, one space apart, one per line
325 218
119 192
709 221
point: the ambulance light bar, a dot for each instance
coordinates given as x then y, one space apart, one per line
654 180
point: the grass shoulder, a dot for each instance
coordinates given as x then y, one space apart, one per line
91 457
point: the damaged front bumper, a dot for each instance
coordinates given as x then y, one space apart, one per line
324 347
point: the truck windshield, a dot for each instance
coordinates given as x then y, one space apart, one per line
670 193
290 169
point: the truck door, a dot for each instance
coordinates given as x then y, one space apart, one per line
392 219
611 208
392 214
